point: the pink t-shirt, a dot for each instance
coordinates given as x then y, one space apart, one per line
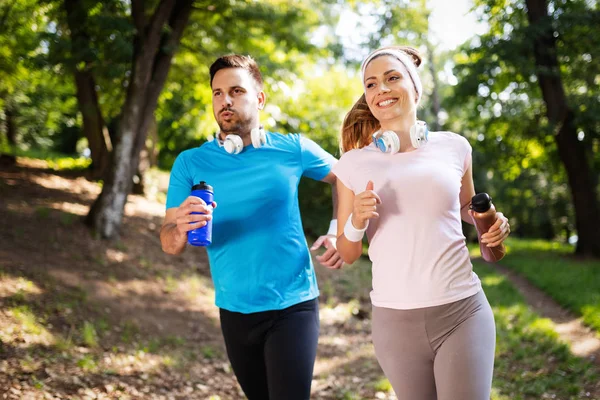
417 246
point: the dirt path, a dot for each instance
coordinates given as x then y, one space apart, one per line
582 340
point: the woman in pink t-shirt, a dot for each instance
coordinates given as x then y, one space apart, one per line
433 328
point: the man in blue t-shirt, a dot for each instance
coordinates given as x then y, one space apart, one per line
261 267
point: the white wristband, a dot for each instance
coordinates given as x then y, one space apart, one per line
332 228
353 234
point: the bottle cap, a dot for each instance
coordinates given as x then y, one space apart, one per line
202 186
481 202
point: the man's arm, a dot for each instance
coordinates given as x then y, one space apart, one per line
179 220
172 241
332 180
331 258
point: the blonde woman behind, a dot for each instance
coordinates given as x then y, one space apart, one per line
408 189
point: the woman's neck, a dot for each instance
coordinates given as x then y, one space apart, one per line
402 128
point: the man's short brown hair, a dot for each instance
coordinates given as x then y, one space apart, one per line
237 61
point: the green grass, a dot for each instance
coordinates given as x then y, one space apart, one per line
30 322
573 283
531 363
129 331
88 363
382 385
89 335
56 161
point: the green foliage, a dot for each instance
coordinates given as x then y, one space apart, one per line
40 100
55 161
69 163
493 99
314 105
497 104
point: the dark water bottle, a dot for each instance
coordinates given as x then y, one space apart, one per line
484 216
202 236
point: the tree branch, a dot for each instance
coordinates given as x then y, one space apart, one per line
157 21
148 44
161 65
138 16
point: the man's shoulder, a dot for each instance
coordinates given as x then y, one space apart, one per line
283 139
203 148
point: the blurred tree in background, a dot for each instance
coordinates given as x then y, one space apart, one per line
527 97
128 81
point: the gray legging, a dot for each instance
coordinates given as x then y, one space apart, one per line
438 353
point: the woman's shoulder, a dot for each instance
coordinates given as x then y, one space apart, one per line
350 160
357 154
449 137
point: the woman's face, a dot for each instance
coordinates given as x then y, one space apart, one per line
389 90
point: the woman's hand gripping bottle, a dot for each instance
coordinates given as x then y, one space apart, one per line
484 216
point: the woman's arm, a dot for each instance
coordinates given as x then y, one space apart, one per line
467 191
362 207
497 232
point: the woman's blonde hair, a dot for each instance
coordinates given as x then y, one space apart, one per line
359 124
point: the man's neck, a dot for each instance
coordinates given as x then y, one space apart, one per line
246 137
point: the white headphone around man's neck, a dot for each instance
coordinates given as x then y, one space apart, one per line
233 144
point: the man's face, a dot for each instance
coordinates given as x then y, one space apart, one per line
236 100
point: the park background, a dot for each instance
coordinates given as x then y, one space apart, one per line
97 98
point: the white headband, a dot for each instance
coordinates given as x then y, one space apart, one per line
405 59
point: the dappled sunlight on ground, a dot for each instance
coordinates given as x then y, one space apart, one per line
10 286
339 314
493 280
581 346
80 186
73 208
118 256
137 205
22 329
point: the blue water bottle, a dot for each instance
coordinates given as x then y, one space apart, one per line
202 236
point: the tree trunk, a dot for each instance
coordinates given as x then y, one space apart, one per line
147 158
94 128
11 136
152 144
11 127
93 124
154 47
571 151
435 98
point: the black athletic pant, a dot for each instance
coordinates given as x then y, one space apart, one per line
273 352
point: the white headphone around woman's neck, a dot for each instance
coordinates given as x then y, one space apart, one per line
233 144
389 142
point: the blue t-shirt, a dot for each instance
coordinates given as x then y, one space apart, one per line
259 258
